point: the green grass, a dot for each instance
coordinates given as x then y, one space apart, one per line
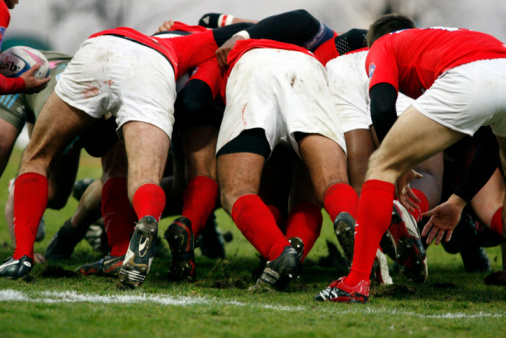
451 302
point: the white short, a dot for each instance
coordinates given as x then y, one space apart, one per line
281 92
349 86
132 81
467 97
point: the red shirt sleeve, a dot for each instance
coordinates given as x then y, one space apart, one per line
8 85
381 65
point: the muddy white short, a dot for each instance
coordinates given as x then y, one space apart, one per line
132 81
281 92
467 97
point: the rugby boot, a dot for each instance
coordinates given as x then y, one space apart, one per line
298 245
410 252
109 266
380 272
16 268
344 227
80 187
338 291
140 253
282 270
179 235
475 259
63 243
211 241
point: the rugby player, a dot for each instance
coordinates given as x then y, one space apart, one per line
437 67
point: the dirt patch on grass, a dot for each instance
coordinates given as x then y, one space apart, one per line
221 278
55 271
395 291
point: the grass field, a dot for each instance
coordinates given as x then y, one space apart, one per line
55 302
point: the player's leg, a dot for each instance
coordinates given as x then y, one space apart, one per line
412 139
360 146
239 177
304 221
74 229
147 148
502 148
57 125
326 162
8 136
200 197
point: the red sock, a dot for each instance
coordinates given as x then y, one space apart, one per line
30 201
374 216
280 221
119 216
258 225
340 197
199 200
424 205
305 221
149 200
496 223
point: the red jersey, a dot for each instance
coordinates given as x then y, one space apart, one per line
5 18
183 52
411 60
208 71
8 85
182 27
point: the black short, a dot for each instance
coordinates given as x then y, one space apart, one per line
249 141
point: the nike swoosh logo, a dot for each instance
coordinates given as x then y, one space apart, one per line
142 245
9 264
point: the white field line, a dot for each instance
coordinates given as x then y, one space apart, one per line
9 295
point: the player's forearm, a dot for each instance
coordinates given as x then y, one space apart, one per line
383 111
10 85
296 27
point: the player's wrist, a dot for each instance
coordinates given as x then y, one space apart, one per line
457 201
216 20
243 34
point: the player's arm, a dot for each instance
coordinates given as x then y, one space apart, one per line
383 112
296 27
216 20
447 215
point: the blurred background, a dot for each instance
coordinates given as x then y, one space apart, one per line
63 25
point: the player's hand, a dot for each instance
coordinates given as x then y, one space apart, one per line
165 26
443 218
222 52
404 193
39 258
32 84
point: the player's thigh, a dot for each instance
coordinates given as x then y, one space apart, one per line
56 127
412 139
